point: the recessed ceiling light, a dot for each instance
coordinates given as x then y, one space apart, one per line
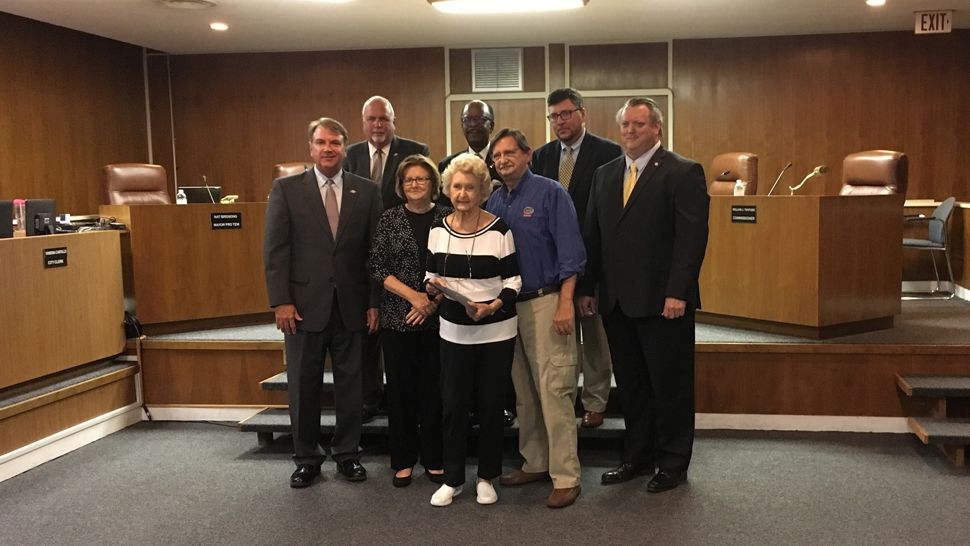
876 2
187 4
504 6
219 26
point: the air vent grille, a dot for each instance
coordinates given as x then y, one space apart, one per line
497 69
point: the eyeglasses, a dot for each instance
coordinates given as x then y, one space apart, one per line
475 120
416 180
565 115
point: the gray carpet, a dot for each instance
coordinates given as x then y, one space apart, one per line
196 483
935 322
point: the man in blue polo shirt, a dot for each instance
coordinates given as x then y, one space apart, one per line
551 254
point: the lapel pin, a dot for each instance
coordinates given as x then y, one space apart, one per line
656 163
353 191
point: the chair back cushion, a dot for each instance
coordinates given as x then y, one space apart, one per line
874 172
728 167
286 169
135 184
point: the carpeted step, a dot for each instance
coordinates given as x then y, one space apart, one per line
278 381
19 395
935 386
941 431
277 421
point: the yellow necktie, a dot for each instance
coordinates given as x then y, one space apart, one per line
629 182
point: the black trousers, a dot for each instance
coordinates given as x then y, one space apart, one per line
372 372
413 367
304 375
474 376
653 362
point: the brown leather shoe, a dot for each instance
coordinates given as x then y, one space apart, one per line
592 419
561 498
521 477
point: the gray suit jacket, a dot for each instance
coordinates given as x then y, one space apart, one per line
358 162
305 266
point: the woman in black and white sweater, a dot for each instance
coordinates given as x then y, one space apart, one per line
409 321
472 261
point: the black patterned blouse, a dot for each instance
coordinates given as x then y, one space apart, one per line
396 252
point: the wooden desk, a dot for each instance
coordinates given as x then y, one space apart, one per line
812 266
54 319
183 274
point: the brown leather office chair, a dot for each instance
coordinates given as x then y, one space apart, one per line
728 167
135 184
874 172
286 169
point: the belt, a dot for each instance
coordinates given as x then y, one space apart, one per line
526 296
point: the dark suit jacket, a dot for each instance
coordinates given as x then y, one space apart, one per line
358 162
653 247
593 153
304 263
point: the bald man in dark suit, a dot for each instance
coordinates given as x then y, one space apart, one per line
646 234
377 158
319 226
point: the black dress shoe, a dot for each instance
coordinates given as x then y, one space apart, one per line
665 481
303 475
401 482
436 478
626 472
352 470
508 418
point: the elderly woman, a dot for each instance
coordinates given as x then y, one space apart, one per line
409 322
472 261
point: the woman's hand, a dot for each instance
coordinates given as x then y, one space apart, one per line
432 286
478 311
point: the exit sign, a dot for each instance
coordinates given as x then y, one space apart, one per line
934 22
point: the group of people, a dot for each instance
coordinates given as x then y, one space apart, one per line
500 261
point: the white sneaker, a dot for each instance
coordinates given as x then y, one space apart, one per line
444 495
486 493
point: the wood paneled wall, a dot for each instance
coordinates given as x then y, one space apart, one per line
69 103
75 102
812 100
235 116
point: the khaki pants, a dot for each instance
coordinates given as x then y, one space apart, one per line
595 363
544 375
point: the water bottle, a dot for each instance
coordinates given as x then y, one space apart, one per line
739 187
19 218
180 198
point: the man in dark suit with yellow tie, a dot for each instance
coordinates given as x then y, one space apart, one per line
319 226
646 234
376 158
572 159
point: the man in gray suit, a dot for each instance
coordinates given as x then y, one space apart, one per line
376 158
319 226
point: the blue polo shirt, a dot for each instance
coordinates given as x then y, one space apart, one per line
542 217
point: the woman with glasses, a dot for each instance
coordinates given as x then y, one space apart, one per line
409 322
472 262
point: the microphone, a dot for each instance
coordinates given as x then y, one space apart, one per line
779 177
817 171
208 190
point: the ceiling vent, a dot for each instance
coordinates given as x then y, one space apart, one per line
497 69
187 4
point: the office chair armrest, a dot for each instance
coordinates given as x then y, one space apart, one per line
917 218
